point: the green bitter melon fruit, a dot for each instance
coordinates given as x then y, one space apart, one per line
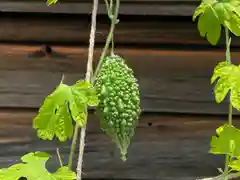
119 106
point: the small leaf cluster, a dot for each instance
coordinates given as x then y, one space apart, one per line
60 108
227 142
33 168
213 14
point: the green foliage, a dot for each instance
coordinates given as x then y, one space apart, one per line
60 107
215 13
235 165
227 77
227 141
119 106
33 168
51 2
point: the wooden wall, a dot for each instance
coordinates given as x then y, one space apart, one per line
172 62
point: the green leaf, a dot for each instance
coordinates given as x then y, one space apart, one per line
215 13
51 2
53 117
199 10
83 94
233 24
235 165
227 141
65 104
209 26
227 77
33 167
64 173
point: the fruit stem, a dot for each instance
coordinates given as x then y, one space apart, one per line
113 17
112 48
228 59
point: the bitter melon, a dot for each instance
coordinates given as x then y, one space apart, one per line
119 105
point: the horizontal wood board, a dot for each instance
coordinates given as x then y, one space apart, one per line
170 81
144 31
182 8
164 147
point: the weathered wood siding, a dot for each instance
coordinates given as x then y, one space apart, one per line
170 80
164 148
132 7
172 62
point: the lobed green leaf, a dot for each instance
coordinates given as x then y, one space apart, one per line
227 141
65 104
33 167
216 13
227 78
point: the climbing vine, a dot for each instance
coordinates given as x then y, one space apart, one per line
112 89
213 17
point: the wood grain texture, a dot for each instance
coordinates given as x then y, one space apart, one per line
184 8
170 81
133 30
164 147
75 30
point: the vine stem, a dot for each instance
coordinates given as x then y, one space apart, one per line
73 146
87 79
228 59
114 20
226 175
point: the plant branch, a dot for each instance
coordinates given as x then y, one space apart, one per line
228 59
113 17
59 158
228 43
88 79
221 177
73 146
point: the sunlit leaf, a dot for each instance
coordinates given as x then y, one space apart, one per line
215 13
83 94
227 78
209 25
65 104
233 24
53 115
33 168
227 141
235 165
64 173
51 2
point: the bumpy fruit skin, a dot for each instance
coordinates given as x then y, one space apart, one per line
119 105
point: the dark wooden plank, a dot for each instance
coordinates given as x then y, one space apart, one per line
170 81
132 30
154 8
76 30
164 147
